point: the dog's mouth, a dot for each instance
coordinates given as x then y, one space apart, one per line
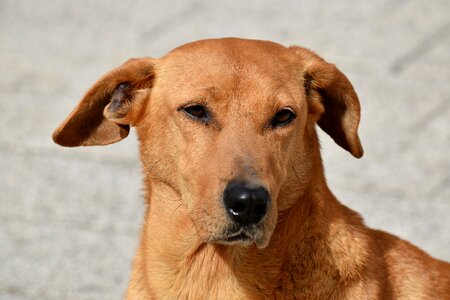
239 235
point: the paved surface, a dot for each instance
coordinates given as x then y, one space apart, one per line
69 218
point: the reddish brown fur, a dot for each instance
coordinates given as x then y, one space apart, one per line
309 246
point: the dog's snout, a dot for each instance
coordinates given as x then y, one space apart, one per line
246 204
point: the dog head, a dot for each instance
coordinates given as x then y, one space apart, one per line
228 124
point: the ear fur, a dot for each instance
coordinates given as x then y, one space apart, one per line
99 118
325 85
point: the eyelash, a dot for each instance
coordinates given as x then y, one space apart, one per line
197 112
200 113
283 117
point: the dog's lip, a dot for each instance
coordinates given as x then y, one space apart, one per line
240 236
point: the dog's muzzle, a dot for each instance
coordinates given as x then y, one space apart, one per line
246 204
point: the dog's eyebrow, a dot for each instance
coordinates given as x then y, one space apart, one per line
208 92
280 95
278 87
209 89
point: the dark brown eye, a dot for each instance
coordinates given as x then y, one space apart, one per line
283 117
197 112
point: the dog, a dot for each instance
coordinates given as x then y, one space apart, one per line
237 202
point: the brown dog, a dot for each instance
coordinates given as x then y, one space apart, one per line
238 206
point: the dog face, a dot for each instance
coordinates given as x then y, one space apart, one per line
227 124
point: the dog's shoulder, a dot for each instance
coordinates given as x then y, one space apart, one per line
411 270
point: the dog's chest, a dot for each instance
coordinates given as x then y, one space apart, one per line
212 277
198 283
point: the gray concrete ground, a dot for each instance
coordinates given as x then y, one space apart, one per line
69 218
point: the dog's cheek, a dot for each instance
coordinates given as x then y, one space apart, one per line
207 226
274 172
204 206
157 163
268 228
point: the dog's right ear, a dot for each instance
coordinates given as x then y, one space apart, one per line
105 113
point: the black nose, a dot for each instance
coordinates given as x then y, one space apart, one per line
245 204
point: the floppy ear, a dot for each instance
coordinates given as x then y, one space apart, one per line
332 95
105 113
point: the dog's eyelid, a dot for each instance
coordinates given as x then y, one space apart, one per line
283 116
196 111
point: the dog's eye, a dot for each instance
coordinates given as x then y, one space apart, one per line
283 117
196 111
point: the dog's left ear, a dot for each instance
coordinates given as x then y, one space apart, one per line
331 95
112 104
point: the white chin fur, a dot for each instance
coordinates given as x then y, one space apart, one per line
262 242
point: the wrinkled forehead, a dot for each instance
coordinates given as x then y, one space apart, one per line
241 68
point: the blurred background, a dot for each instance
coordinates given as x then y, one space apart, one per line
70 218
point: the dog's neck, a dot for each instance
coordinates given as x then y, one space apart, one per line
306 241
